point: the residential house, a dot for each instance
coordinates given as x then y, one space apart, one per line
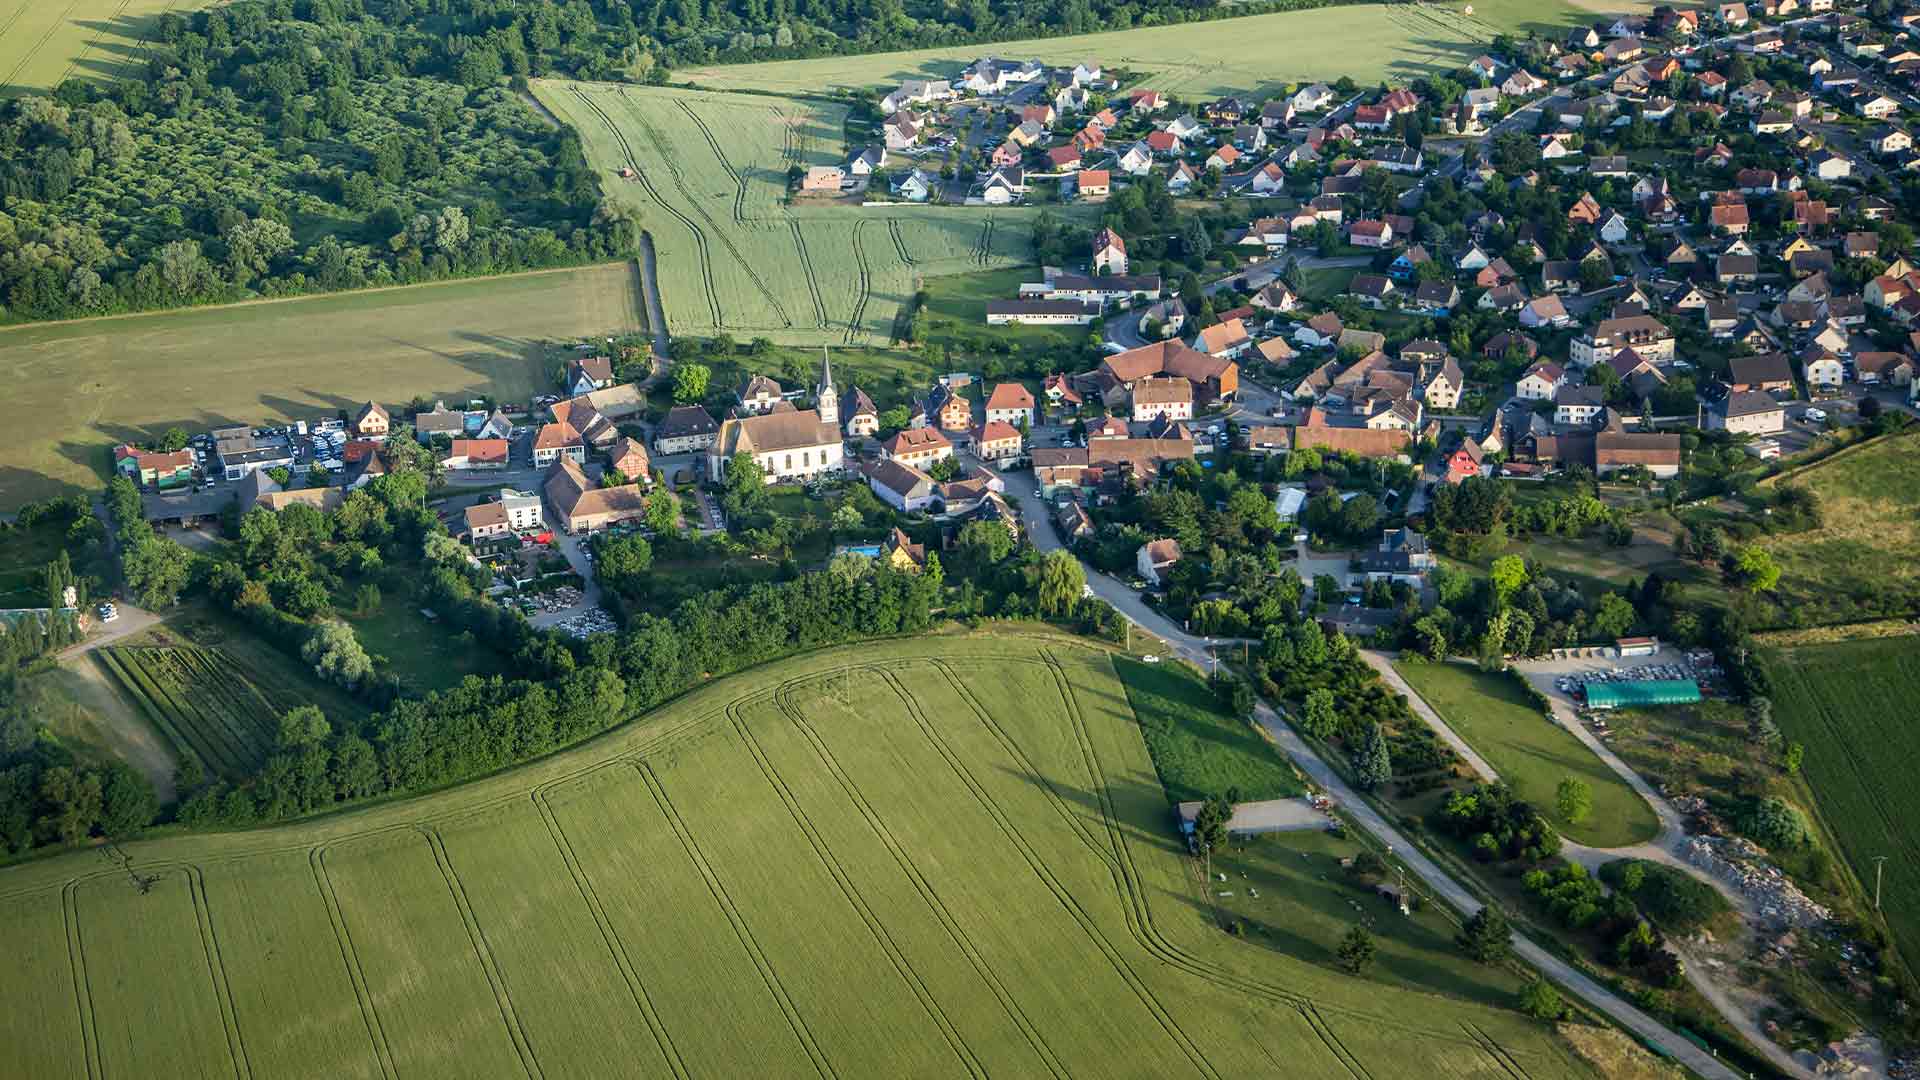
1747 412
477 454
1544 311
1010 403
1155 397
996 441
1542 382
1224 339
372 421
557 440
1370 234
1578 405
1465 462
757 395
685 429
900 485
586 374
1109 252
823 179
1155 558
161 471
1874 368
1823 370
581 507
1403 556
918 185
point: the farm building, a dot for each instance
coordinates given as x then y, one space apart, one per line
1631 695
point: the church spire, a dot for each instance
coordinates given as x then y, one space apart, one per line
827 401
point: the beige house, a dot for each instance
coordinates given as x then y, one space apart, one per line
580 507
1171 397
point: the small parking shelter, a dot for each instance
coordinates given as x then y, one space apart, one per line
1640 693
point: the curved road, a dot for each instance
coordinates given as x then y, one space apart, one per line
1040 528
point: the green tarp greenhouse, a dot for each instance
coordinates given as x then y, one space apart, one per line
1628 695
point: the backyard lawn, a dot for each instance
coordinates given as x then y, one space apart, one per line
427 655
957 310
1531 752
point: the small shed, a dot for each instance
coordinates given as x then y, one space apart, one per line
1637 646
1645 692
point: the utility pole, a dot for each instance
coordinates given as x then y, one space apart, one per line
1879 863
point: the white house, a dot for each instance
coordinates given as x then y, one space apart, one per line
1541 382
1155 558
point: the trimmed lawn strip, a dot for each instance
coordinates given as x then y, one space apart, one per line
1197 748
1532 752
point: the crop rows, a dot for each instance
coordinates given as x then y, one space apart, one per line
901 866
203 705
807 274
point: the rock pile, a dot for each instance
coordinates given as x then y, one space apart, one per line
1743 864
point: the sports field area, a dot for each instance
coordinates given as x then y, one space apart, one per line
1531 752
710 176
43 42
74 389
1258 54
939 857
1851 705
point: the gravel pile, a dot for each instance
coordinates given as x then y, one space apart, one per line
1743 865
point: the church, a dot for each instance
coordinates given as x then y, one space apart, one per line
789 444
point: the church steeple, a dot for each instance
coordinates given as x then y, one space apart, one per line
826 401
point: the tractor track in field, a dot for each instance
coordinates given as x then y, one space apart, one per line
844 879
854 322
1501 1058
82 982
931 896
350 956
1062 894
813 281
739 922
661 144
1133 891
34 52
217 970
899 242
483 952
616 947
646 181
739 183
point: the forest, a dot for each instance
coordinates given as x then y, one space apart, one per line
278 147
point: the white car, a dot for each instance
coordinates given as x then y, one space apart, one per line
1150 658
1814 416
108 612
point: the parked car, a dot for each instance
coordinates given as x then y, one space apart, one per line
108 612
1814 416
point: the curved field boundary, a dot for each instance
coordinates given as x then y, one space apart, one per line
931 896
699 236
662 146
350 957
483 951
1065 897
838 871
617 948
740 927
82 986
217 969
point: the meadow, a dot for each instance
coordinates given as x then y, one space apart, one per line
1856 561
940 857
1851 705
710 180
1531 752
44 43
1258 54
74 389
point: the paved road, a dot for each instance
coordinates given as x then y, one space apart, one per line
132 620
1378 661
1040 528
575 550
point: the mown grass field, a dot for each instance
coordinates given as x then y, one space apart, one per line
1531 752
711 175
74 389
1852 706
1870 499
43 42
1198 749
1258 54
954 862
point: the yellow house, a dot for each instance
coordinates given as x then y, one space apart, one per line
904 554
